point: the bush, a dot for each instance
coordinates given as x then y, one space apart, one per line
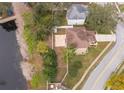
50 58
29 38
42 47
50 73
41 34
28 33
69 53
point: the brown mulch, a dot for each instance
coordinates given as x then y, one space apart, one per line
61 64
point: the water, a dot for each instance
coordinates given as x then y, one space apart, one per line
10 73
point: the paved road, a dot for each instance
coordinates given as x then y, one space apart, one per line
10 73
97 79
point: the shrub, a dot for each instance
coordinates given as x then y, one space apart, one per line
42 47
28 33
29 38
50 58
50 73
69 53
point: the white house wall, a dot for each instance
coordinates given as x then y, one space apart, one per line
80 51
75 22
105 38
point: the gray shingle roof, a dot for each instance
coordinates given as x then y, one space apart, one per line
77 11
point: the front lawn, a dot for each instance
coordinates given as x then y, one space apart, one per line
86 60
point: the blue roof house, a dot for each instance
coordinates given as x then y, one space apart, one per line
76 14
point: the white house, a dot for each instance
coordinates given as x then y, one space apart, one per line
76 14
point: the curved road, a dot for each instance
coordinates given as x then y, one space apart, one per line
99 76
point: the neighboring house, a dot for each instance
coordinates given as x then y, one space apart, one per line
102 3
120 3
78 37
76 14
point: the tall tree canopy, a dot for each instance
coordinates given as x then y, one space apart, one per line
45 17
116 82
101 18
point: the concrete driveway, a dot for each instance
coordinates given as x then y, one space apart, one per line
99 76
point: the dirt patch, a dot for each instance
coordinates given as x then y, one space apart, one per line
61 64
36 61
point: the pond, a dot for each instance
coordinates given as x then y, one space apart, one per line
10 73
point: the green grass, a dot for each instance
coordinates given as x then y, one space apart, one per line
38 81
86 61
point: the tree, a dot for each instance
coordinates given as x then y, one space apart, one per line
42 19
101 18
50 65
45 17
69 53
116 82
42 47
31 4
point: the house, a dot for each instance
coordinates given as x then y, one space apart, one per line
102 3
78 37
77 14
81 39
